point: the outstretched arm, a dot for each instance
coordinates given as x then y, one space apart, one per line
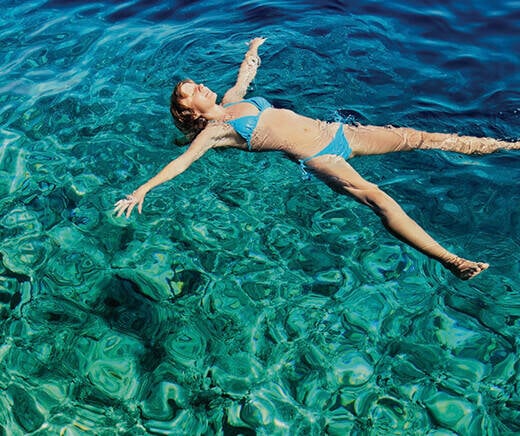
208 138
246 74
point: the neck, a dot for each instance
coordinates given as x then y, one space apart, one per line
216 113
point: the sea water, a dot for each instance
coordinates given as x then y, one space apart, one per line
244 299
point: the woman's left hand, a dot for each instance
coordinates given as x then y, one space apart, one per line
127 205
255 43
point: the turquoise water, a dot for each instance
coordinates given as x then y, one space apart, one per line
245 300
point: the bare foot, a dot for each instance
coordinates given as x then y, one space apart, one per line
465 269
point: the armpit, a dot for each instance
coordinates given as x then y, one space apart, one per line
221 134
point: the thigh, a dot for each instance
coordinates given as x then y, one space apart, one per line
339 173
366 140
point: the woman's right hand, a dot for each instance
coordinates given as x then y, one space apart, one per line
127 204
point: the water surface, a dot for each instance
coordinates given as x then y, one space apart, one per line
245 300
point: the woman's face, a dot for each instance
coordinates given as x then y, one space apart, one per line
197 97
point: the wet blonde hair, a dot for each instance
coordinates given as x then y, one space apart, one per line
187 121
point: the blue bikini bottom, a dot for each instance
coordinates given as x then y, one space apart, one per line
339 146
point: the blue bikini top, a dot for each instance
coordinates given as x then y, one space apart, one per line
245 126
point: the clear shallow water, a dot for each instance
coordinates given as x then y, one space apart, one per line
245 301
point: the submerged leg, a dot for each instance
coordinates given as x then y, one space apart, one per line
465 144
394 218
367 140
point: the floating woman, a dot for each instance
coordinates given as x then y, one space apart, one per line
253 124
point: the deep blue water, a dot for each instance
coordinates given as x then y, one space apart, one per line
245 300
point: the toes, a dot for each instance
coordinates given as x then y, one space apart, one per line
466 269
475 270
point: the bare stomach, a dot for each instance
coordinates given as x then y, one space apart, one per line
299 136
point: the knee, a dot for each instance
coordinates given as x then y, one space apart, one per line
382 204
379 201
413 139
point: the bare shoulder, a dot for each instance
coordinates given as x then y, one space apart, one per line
218 134
233 95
